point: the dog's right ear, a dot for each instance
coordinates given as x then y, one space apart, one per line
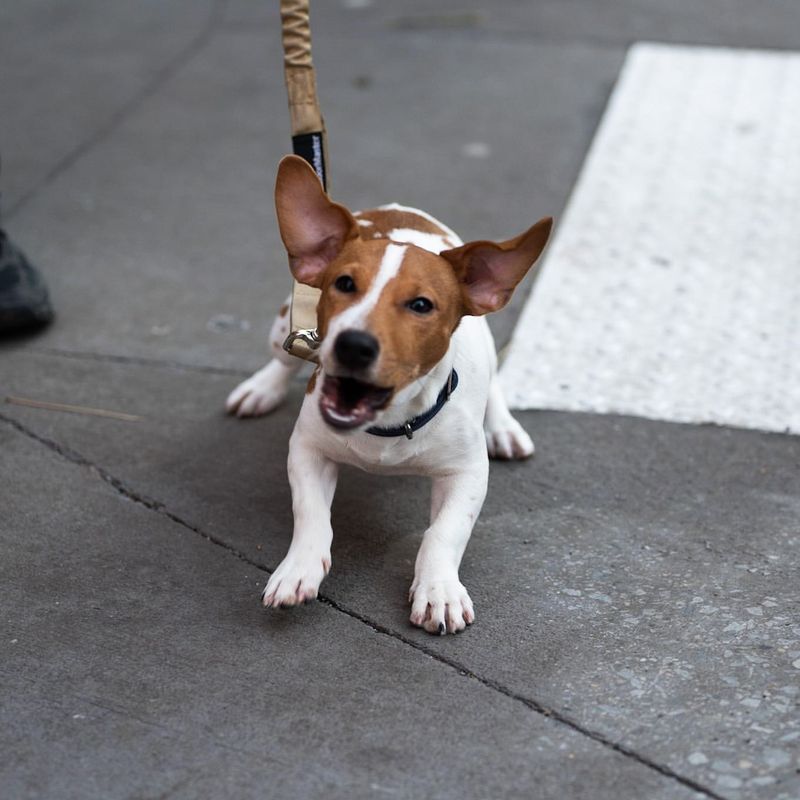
313 228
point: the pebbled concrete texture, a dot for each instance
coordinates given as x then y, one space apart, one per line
671 254
635 585
134 657
635 579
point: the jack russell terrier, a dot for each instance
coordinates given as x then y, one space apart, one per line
405 381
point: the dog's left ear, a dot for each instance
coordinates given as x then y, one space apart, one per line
313 228
490 271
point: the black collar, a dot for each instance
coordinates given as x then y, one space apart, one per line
408 428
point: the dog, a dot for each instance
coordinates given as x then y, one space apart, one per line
405 381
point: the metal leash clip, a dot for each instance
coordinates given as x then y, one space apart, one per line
303 340
308 337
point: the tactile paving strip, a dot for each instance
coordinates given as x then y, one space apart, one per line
672 288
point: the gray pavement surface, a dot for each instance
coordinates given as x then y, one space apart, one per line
638 630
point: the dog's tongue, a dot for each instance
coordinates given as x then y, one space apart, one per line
348 403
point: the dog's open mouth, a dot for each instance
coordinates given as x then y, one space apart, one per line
348 403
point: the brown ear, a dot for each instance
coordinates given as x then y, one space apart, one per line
313 228
490 271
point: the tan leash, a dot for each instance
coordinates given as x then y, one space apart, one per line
308 141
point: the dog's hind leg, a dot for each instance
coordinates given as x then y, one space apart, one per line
266 389
505 437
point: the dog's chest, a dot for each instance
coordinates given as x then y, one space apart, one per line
433 449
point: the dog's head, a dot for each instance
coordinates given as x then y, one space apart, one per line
387 310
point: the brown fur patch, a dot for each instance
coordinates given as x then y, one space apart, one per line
384 221
312 381
284 310
413 343
410 343
361 261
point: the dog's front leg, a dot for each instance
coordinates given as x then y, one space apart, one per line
312 477
439 601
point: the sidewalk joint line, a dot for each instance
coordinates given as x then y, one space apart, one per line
530 703
539 708
121 487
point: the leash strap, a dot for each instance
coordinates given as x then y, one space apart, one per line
410 427
309 141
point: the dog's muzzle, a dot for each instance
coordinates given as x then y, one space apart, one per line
347 400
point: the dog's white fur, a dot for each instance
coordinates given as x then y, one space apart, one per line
453 449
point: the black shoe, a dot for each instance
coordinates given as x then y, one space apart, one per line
24 301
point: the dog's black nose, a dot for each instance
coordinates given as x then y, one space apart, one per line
356 349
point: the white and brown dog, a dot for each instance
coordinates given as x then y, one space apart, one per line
405 383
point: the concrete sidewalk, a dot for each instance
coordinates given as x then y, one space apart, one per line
638 608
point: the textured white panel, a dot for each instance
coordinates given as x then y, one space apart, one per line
672 288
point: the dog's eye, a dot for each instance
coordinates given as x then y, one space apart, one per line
344 283
420 305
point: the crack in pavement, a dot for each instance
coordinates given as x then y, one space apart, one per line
534 705
119 486
172 66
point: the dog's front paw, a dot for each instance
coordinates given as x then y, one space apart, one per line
260 393
509 442
295 581
440 605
